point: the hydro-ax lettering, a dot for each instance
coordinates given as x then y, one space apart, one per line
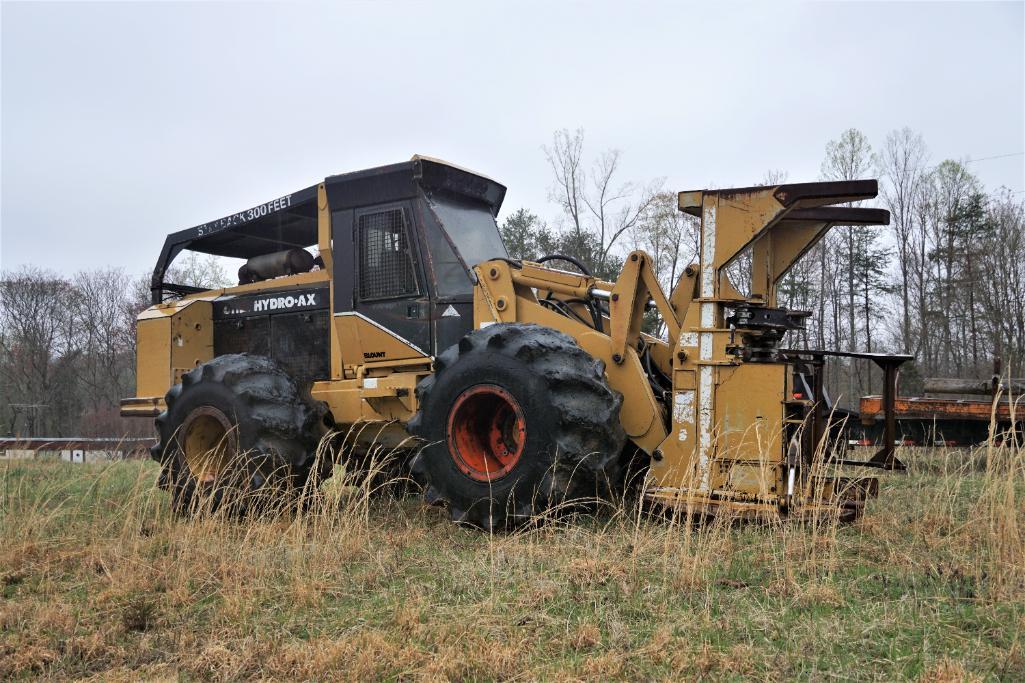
271 303
275 303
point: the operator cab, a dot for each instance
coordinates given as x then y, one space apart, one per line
392 245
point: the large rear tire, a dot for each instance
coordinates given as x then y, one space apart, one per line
518 421
238 433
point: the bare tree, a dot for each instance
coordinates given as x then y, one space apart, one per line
903 166
668 235
850 157
199 270
38 345
106 336
567 190
612 205
1004 263
600 208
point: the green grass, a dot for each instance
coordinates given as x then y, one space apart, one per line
98 580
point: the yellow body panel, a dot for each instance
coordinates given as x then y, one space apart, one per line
171 339
749 407
375 407
153 360
192 338
361 340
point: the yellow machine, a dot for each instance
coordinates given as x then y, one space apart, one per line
526 387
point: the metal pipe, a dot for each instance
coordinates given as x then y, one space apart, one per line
607 296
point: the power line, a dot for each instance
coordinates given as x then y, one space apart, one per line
972 161
999 156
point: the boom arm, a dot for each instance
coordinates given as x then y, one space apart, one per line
509 292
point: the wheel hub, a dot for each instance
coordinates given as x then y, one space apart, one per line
486 432
208 443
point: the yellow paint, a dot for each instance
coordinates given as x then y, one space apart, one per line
171 339
361 340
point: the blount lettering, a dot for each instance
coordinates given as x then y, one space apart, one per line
277 302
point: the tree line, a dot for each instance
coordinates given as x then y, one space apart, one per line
943 281
67 347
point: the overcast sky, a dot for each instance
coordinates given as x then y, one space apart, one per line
123 122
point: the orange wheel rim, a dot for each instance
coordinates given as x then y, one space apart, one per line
486 432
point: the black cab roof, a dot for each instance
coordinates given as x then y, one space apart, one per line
291 220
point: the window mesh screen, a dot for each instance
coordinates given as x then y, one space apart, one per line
386 266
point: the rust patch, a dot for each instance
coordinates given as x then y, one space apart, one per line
937 408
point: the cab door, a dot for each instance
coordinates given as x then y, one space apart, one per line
390 290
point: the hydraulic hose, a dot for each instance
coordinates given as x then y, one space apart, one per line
568 259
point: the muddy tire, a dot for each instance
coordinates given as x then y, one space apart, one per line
238 434
518 421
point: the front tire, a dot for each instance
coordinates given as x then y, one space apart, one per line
518 421
237 433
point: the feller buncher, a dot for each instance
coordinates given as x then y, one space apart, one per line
526 387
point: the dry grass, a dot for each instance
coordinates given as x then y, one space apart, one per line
98 580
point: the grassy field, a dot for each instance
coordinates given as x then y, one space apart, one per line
98 580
